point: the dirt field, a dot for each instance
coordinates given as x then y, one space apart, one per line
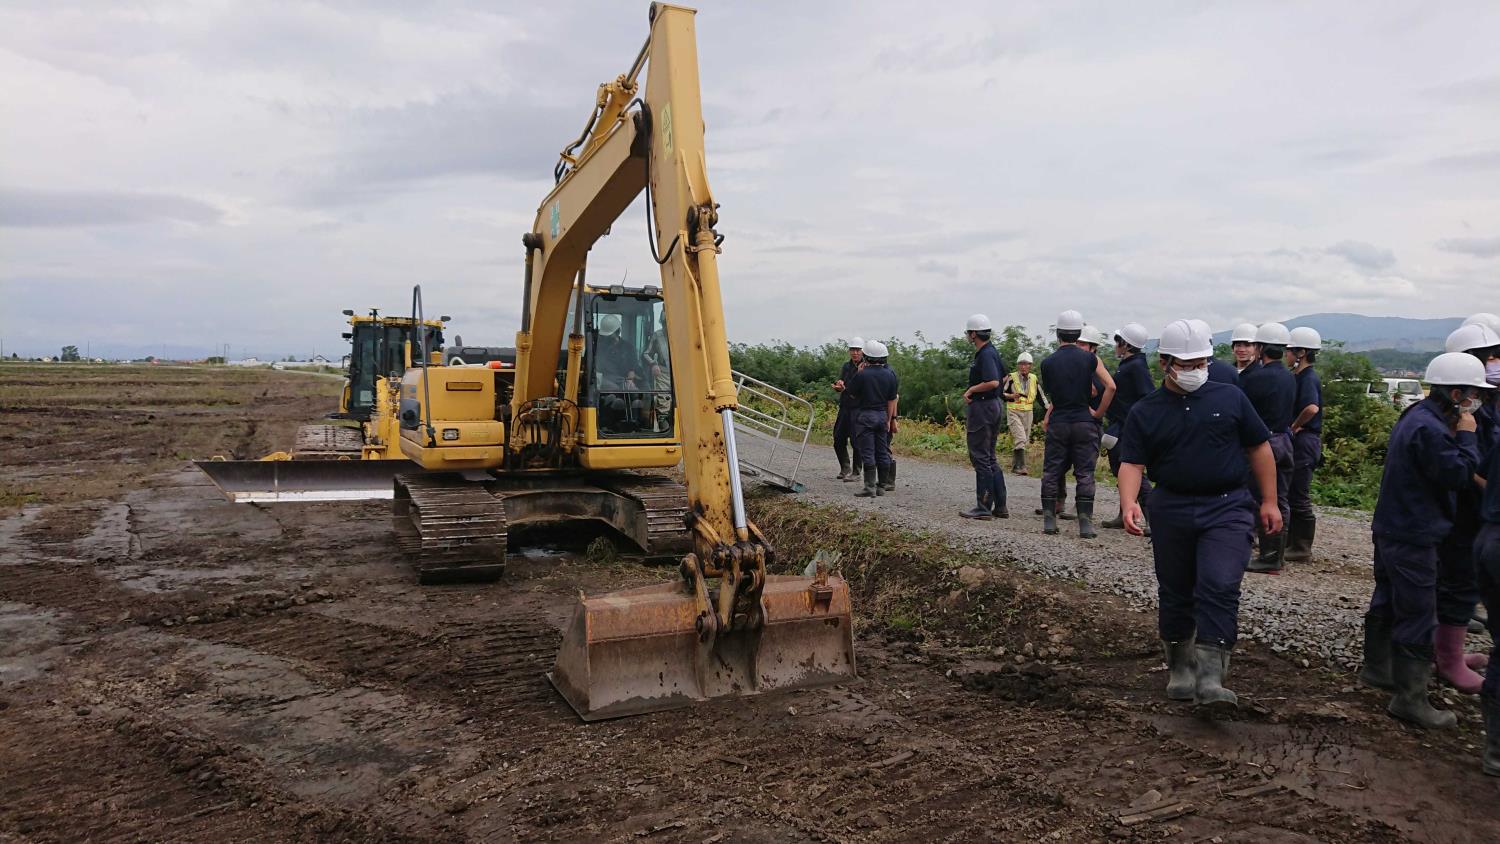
174 667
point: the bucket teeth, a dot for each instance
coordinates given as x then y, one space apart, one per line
638 650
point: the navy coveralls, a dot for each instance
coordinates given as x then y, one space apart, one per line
1458 583
1132 383
1307 445
874 388
1426 463
1487 554
843 423
1272 389
1193 447
982 422
1072 432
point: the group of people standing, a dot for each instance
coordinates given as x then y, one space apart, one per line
1216 466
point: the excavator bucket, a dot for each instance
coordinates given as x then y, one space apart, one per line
266 481
638 650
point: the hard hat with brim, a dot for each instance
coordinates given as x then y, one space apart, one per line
875 349
1134 334
857 343
1070 320
977 322
1456 369
1467 338
1243 333
1186 339
1273 334
1305 338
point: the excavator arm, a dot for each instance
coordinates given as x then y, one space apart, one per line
728 628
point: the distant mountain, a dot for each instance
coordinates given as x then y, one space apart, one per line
1362 333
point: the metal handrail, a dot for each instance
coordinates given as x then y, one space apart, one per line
780 417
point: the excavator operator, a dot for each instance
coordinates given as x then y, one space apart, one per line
620 370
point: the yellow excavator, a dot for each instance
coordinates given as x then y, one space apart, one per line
380 353
614 387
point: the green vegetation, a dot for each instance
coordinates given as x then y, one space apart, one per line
934 375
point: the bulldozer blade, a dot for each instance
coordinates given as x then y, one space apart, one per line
267 481
638 650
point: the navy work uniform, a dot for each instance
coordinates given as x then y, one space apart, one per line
1072 431
1307 446
1132 383
1193 447
1426 464
843 423
1223 373
875 387
983 419
1487 565
1272 389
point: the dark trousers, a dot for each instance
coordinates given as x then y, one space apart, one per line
982 424
1144 497
1307 451
1070 445
1281 450
843 433
1406 590
1487 566
1200 543
872 437
1457 583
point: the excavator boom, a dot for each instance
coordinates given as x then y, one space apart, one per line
727 628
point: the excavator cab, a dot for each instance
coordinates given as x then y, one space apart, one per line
627 367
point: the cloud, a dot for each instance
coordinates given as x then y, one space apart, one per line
1469 161
936 267
23 208
1364 255
1480 247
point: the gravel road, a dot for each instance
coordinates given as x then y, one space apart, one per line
1313 609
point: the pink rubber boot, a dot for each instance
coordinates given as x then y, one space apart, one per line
1448 649
1477 662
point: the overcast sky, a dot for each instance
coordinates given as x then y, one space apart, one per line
205 173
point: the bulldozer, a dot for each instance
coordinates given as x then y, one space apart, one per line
380 353
613 387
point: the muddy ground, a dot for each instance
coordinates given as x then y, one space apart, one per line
174 667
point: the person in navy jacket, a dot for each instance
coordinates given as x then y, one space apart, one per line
1132 383
1199 442
1272 389
1072 424
1307 442
1433 453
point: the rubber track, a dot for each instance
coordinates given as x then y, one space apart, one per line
666 504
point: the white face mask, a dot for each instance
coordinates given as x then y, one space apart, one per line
1190 379
1472 405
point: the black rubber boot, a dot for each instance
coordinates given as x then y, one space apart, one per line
888 477
1018 461
845 472
1299 543
1411 669
1182 668
997 496
1376 670
1268 559
1049 516
1117 523
872 483
1086 519
982 491
1491 709
1208 686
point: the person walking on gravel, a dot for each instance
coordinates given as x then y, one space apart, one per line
1457 585
982 422
1020 390
1272 388
1307 442
1198 441
1132 383
876 393
843 423
1487 565
1433 453
1072 426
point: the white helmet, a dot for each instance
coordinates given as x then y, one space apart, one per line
1187 339
1485 319
1273 334
1134 334
1091 335
1456 369
1024 357
609 324
1305 338
1243 333
977 322
1070 321
857 343
875 349
1467 338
